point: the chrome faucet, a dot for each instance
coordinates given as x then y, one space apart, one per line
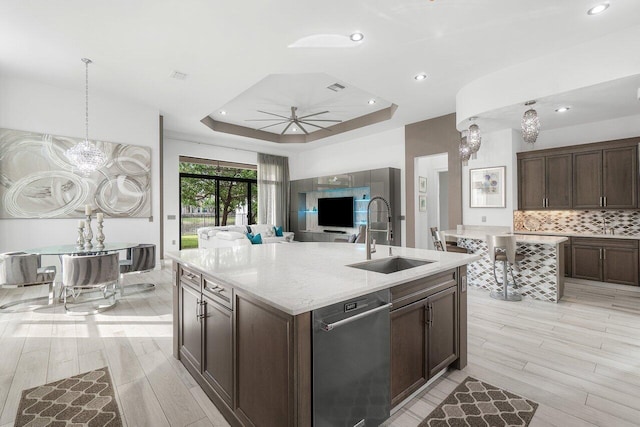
389 230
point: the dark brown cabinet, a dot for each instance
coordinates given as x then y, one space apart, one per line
217 366
190 326
424 333
606 178
608 260
545 182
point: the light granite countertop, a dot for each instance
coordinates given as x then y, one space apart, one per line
520 238
300 277
569 234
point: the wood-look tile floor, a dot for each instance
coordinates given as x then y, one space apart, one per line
579 359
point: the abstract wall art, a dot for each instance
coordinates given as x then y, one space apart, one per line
486 187
38 181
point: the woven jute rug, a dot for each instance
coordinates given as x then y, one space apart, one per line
82 400
476 403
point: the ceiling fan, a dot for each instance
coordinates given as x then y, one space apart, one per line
294 120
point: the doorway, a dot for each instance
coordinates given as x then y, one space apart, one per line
432 197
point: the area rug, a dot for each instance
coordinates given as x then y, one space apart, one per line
82 400
475 403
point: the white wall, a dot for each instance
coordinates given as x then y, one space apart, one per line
385 149
498 149
179 145
32 106
428 167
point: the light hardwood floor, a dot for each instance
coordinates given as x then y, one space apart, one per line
579 359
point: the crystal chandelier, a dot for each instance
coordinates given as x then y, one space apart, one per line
474 140
464 150
85 156
530 124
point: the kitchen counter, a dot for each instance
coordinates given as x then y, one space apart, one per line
300 277
571 234
543 239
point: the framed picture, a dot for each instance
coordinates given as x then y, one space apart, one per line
486 187
422 184
422 203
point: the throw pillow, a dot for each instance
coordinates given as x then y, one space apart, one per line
255 240
278 231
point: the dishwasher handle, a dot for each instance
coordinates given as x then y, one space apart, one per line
330 326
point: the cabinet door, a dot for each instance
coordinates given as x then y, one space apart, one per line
531 180
586 262
620 265
620 178
558 171
218 348
587 179
190 326
442 330
408 350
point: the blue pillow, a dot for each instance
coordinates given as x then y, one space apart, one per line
278 231
255 240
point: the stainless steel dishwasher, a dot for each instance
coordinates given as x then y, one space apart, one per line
351 362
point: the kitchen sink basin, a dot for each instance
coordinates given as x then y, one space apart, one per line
390 265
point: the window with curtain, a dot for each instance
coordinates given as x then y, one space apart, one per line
273 188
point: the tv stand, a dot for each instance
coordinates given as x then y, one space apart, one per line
335 231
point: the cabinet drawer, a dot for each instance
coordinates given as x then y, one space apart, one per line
408 293
617 243
218 291
190 277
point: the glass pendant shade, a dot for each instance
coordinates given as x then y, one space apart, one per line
85 156
530 126
465 151
474 140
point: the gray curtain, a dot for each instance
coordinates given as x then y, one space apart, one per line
273 190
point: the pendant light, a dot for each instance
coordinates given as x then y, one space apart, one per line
474 140
464 150
530 124
85 156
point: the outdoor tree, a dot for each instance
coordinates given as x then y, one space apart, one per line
201 193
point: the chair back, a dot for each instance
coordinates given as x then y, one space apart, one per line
90 270
143 257
19 268
438 243
443 240
507 243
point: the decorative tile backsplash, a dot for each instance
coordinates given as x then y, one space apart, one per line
623 222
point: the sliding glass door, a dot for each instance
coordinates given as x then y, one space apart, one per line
212 196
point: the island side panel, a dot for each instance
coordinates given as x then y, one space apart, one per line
461 362
273 350
537 276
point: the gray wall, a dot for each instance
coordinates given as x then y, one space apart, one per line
434 136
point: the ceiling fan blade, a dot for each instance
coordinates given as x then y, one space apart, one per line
314 114
300 126
275 124
323 120
320 127
261 120
274 114
285 129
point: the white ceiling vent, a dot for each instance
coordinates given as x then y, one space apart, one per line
178 75
336 87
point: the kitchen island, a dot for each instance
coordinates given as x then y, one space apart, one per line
244 323
540 275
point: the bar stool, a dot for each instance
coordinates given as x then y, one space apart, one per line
503 249
440 242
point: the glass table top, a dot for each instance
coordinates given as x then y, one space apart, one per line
75 250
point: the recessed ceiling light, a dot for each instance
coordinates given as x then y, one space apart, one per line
223 113
178 75
420 76
562 109
356 37
371 101
293 129
595 10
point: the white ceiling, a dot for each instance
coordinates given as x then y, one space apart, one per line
226 47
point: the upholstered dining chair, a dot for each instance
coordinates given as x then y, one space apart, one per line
440 242
88 274
19 269
140 259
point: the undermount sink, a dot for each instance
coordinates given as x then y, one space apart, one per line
390 265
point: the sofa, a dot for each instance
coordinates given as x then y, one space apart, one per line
236 235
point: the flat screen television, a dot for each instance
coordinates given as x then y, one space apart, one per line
335 211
